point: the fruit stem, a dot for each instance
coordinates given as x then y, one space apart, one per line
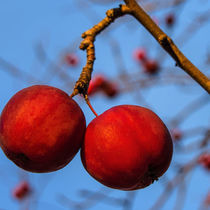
90 106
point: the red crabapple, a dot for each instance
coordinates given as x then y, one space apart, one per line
41 128
110 89
140 54
176 134
21 190
204 160
151 66
71 59
127 147
100 83
95 84
170 19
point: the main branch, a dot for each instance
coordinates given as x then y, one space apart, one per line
167 44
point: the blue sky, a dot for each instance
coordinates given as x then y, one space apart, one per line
57 27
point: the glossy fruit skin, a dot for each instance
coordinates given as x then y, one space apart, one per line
127 147
41 128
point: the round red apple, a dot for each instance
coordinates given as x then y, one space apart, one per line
41 128
127 147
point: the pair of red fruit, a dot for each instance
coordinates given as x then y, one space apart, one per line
127 147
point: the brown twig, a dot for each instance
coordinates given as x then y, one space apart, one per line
87 44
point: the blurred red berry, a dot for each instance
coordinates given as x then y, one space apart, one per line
151 66
102 84
176 134
204 160
95 84
140 54
71 59
110 89
21 190
169 19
